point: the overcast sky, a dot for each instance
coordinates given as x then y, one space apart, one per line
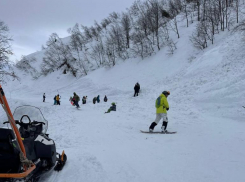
31 22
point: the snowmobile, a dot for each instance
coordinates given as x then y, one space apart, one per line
26 151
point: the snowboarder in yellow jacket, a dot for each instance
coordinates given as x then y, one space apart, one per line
162 107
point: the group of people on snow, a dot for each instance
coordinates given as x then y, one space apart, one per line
75 100
84 99
161 105
57 99
97 99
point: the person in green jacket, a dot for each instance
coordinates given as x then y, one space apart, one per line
112 108
76 99
162 107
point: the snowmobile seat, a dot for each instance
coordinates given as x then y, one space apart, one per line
5 134
9 154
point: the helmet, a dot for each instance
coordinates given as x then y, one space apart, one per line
74 93
113 103
166 92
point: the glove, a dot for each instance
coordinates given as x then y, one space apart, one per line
167 109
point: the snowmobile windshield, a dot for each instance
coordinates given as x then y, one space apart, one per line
27 114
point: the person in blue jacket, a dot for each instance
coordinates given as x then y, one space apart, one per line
98 98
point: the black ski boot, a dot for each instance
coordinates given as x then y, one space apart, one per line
164 126
151 128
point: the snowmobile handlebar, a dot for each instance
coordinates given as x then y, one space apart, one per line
19 123
6 122
38 122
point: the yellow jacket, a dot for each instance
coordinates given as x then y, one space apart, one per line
163 104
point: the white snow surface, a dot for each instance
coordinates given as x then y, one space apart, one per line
207 95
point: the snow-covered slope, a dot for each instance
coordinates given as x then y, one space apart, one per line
207 94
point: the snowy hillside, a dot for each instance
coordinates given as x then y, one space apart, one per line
207 95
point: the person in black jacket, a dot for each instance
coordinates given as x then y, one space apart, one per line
136 89
105 99
94 100
84 99
44 97
55 102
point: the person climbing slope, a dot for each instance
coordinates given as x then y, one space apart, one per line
136 89
76 99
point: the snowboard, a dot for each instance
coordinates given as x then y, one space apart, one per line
159 132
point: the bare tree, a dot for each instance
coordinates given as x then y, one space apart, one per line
110 52
142 30
5 51
25 64
240 27
77 44
168 41
87 33
94 33
114 17
58 56
155 18
174 8
237 9
126 25
212 19
198 9
199 37
141 45
97 27
98 53
105 22
204 10
186 11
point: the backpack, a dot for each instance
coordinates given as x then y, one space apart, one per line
78 98
158 102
